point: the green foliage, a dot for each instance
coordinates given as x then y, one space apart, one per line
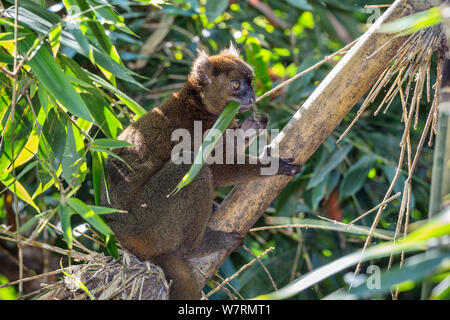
416 268
61 107
8 293
414 22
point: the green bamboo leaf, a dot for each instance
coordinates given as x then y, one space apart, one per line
16 187
207 147
85 289
261 67
41 21
286 203
23 128
5 104
415 22
318 192
43 99
30 222
418 240
333 180
64 215
33 88
332 226
47 15
110 143
91 29
23 172
130 103
52 144
105 174
80 37
111 246
54 80
55 38
414 269
104 210
96 175
107 12
96 102
42 187
101 111
8 37
6 57
90 216
356 176
93 148
9 23
73 162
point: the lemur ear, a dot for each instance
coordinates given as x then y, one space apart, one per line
232 49
200 67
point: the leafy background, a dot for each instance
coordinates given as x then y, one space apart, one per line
95 68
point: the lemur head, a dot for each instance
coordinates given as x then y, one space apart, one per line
222 78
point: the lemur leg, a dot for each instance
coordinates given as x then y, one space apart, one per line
153 225
153 229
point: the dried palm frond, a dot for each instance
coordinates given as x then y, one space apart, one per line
96 276
105 278
407 74
411 64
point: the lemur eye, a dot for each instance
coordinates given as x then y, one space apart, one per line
236 84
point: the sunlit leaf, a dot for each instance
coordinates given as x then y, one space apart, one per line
64 215
331 162
97 172
73 159
17 188
53 139
90 216
130 103
413 270
110 143
104 210
55 39
55 81
214 8
23 124
418 240
413 23
32 16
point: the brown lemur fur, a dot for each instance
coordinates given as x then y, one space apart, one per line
168 230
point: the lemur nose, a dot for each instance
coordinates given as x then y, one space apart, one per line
251 100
